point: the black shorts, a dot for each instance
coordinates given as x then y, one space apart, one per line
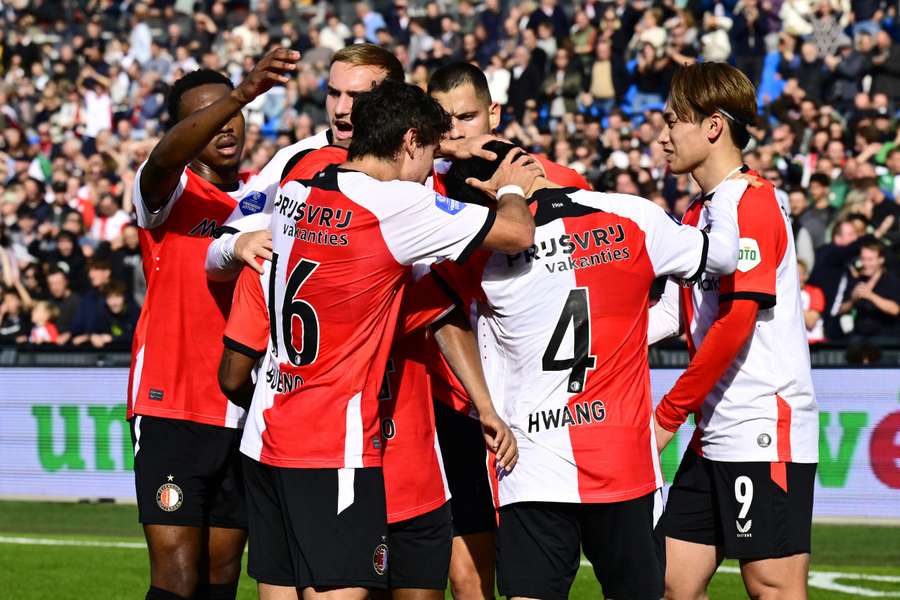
420 551
465 465
316 527
187 474
539 548
740 506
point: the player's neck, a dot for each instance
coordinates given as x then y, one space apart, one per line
220 177
719 165
541 183
375 168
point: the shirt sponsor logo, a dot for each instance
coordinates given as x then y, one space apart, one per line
252 203
709 283
321 238
448 205
748 255
579 413
567 244
302 212
205 228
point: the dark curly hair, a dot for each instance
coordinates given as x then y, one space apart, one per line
189 82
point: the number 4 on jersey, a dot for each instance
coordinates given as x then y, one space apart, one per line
577 310
295 308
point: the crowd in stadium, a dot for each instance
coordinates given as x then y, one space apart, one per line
82 102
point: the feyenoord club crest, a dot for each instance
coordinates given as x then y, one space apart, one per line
169 496
379 559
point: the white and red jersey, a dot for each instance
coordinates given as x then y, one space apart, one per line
563 338
763 408
446 386
106 229
173 369
414 479
812 298
342 246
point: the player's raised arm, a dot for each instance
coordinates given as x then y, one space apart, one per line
722 256
187 139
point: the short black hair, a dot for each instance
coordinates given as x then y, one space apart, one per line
451 76
820 178
382 117
189 82
479 168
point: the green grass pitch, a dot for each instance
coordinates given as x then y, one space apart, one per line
62 551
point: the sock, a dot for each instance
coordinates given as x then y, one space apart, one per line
217 591
155 593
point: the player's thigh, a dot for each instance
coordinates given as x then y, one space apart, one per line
176 556
417 594
340 593
689 568
776 578
465 466
225 549
337 523
472 565
419 555
692 530
765 509
619 542
268 591
173 470
538 549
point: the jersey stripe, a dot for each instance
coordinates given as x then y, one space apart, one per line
783 429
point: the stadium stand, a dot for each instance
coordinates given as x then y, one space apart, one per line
82 97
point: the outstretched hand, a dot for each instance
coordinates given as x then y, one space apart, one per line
253 244
273 69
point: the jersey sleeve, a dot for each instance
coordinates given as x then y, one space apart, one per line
762 244
149 219
424 303
664 320
561 175
462 282
247 330
431 225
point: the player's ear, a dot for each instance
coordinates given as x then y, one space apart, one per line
410 142
715 128
494 115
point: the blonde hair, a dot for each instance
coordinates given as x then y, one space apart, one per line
370 55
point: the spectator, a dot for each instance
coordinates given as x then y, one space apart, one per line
43 330
832 271
562 85
92 308
748 38
811 72
874 296
525 81
110 221
63 300
14 324
799 204
847 69
373 21
818 216
886 63
603 87
813 301
115 327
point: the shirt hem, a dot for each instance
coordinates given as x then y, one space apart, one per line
411 513
591 498
186 416
795 458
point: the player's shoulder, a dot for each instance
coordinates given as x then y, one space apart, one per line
561 175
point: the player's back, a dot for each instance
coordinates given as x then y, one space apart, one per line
565 347
342 246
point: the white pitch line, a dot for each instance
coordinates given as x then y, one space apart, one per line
828 580
30 541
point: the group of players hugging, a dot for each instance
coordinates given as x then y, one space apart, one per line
411 352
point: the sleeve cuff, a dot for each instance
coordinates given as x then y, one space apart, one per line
242 349
448 290
763 299
701 268
476 241
664 419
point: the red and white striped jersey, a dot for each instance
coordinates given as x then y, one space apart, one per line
325 313
764 407
173 372
446 386
563 335
414 480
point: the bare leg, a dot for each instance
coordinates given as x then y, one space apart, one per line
776 578
472 566
689 567
276 592
176 555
